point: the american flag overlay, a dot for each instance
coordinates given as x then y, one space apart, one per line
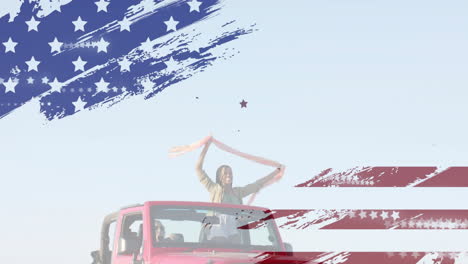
390 219
75 56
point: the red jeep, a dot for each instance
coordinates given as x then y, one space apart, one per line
191 232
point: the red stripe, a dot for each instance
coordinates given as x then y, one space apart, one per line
370 219
390 177
361 258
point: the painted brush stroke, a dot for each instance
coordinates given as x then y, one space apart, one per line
136 49
391 177
378 219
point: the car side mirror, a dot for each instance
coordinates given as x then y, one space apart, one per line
288 249
128 246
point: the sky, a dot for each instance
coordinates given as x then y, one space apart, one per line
328 84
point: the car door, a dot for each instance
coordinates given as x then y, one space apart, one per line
129 237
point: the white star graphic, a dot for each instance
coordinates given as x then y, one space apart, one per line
171 64
102 86
124 24
79 64
171 24
102 5
384 215
30 80
362 214
147 45
79 104
32 24
403 224
57 7
79 24
56 86
45 80
102 46
373 215
395 215
125 65
10 85
55 45
194 48
194 5
10 45
147 84
32 64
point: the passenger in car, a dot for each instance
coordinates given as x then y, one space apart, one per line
160 234
159 231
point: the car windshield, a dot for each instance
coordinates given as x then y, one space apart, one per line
213 227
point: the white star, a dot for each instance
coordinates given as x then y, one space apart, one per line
56 85
79 64
403 224
32 24
32 64
384 215
10 85
419 224
194 48
102 5
10 45
102 86
395 215
427 224
363 214
171 64
102 45
79 24
55 45
147 84
125 65
373 215
194 5
147 45
124 24
30 80
79 104
171 24
57 7
45 80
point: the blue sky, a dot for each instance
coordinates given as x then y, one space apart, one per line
328 84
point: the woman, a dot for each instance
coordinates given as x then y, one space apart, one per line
222 191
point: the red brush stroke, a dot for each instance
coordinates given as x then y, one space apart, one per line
370 219
403 219
452 177
390 177
358 257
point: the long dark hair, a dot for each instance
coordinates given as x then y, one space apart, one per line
218 173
